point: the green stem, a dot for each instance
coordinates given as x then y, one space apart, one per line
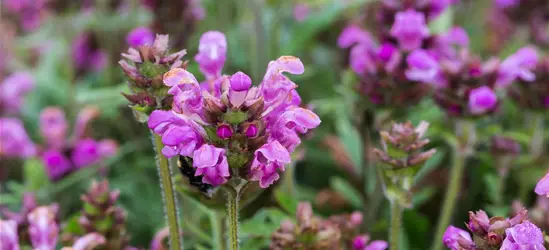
216 220
537 127
289 179
396 225
168 195
450 198
233 197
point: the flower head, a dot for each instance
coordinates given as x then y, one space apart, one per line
410 29
14 141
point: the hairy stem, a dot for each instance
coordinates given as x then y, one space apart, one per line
396 225
233 197
168 195
450 198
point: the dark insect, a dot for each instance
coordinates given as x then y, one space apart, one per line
186 169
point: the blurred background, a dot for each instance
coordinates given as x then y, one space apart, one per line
72 48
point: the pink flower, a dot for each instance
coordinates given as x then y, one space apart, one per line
276 87
352 35
410 29
301 12
518 65
240 83
57 164
542 188
453 235
88 241
53 127
12 91
186 90
43 228
523 236
212 53
85 153
423 68
180 135
211 163
482 100
140 36
159 237
267 160
8 235
361 243
14 141
291 122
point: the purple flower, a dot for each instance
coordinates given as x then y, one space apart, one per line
140 36
240 83
301 12
423 68
212 53
85 116
14 141
211 163
86 56
447 44
276 87
8 235
290 122
43 228
361 243
57 165
186 90
107 148
482 100
542 188
267 160
85 153
53 127
361 59
518 65
502 4
180 135
410 29
453 235
352 35
438 7
479 222
159 237
88 241
523 236
13 89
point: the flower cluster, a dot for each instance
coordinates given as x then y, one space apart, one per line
12 91
228 127
382 67
147 64
532 13
99 210
311 232
495 233
62 155
402 155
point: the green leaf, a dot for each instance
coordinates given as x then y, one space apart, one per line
423 195
35 175
416 226
235 117
72 225
345 189
286 201
350 138
263 223
491 183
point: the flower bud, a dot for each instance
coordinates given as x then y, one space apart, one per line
224 131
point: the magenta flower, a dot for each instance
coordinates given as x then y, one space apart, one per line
14 141
301 12
410 29
361 243
86 55
57 164
518 66
88 241
53 127
211 163
523 236
542 188
240 84
502 4
159 237
212 53
12 91
180 135
482 100
267 160
140 36
454 238
29 12
43 229
9 238
352 35
423 68
85 153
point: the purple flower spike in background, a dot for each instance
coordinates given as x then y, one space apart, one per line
518 66
140 36
9 239
523 236
301 12
14 141
43 228
53 127
12 91
212 53
57 165
352 35
482 100
424 68
85 153
410 29
542 188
